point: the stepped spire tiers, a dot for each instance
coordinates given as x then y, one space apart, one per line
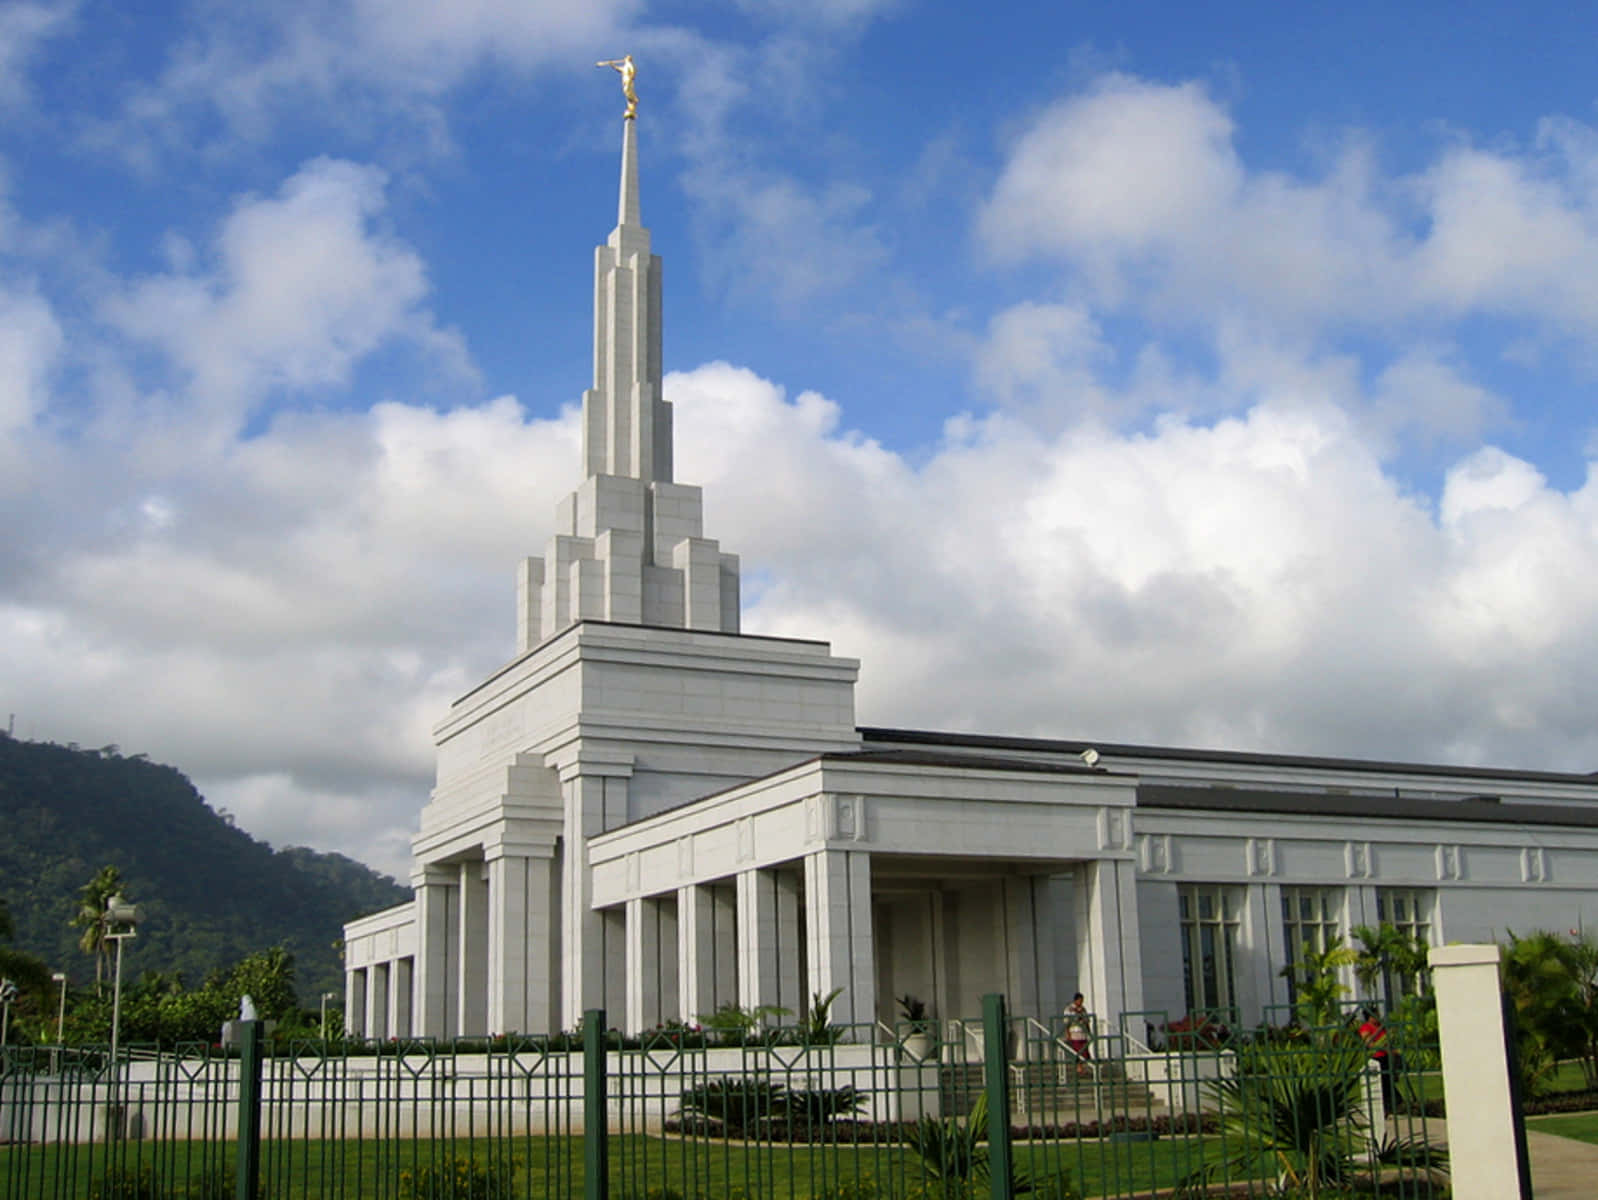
629 543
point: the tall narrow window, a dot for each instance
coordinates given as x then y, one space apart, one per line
1209 917
1312 920
1409 911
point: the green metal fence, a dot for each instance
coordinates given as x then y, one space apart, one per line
984 1109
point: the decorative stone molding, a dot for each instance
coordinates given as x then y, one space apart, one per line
1260 855
1533 865
1358 861
1154 854
1115 829
849 818
1450 863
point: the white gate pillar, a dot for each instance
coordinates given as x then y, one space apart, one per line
1486 1157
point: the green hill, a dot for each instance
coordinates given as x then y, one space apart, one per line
210 892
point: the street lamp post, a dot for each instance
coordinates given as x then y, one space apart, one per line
118 912
326 996
8 993
61 1010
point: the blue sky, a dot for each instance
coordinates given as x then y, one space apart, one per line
1212 375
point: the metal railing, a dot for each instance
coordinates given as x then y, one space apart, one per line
847 1114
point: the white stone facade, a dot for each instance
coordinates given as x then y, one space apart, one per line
650 812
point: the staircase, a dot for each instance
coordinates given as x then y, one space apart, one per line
1048 1093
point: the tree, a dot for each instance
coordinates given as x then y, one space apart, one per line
7 929
1553 982
1390 962
91 918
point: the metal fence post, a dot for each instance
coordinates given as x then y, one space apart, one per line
995 1031
596 1126
251 1048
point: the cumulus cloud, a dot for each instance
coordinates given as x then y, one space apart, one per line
1139 186
1262 581
297 288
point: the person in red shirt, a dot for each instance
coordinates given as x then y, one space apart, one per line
1375 1037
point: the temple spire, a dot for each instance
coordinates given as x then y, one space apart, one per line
627 212
629 544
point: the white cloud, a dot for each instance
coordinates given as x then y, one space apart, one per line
299 288
25 26
1138 188
1260 582
1043 360
30 343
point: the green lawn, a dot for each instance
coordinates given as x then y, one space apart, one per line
1583 1127
543 1168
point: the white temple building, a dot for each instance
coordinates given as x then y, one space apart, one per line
649 811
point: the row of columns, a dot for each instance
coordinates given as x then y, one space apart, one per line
377 1003
768 937
502 948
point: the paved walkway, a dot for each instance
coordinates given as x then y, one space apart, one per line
1562 1168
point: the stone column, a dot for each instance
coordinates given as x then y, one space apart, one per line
1109 958
519 928
400 1006
724 902
651 962
838 933
355 1003
785 885
472 976
757 940
377 980
435 936
588 799
696 952
1487 1151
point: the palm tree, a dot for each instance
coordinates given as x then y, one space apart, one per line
91 918
1390 961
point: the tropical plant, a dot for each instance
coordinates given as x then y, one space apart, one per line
92 919
952 1152
1552 981
1391 962
1294 1109
913 1011
1318 988
818 1027
748 1105
733 1025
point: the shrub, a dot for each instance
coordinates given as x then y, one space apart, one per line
460 1178
129 1183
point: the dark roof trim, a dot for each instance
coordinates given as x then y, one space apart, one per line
1333 804
1233 757
967 762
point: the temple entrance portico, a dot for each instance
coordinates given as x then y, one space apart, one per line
852 872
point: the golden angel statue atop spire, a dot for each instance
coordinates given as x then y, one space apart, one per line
624 65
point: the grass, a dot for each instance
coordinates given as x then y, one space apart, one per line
550 1167
1583 1127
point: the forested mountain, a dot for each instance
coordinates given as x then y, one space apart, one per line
210 892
